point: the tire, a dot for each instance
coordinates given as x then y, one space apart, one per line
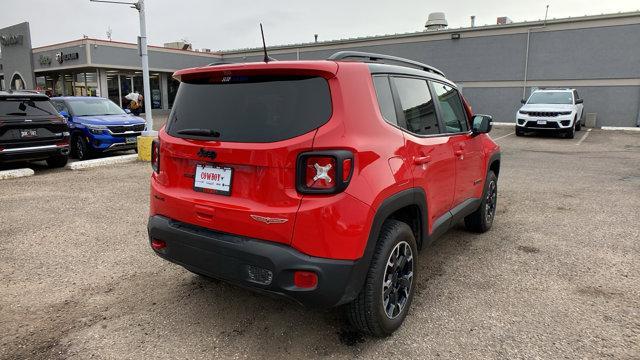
80 148
519 132
57 161
578 125
571 133
372 311
481 220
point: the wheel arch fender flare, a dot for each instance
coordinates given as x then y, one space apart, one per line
493 163
409 197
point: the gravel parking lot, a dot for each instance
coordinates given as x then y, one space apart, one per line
558 276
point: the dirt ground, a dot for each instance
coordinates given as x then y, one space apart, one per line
558 276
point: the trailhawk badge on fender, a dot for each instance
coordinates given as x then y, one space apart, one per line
268 220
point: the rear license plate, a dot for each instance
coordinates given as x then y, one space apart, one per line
542 122
28 133
213 179
131 140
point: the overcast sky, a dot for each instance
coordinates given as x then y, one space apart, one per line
232 24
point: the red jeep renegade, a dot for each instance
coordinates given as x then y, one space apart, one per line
319 181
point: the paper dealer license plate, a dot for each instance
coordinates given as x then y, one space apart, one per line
213 179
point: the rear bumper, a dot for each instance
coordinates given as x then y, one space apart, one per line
28 153
235 258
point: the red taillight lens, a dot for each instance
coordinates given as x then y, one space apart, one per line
347 165
305 279
155 156
320 172
158 245
324 172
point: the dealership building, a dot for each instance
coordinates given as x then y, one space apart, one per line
494 65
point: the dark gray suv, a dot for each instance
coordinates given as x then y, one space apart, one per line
31 129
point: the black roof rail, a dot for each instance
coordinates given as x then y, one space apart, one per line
342 55
219 63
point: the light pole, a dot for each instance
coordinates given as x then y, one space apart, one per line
144 56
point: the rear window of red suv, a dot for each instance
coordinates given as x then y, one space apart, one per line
250 108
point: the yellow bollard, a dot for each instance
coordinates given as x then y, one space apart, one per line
144 147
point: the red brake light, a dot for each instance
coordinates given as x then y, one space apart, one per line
305 279
158 245
321 172
324 172
346 169
155 156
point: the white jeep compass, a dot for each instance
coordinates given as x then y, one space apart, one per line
558 110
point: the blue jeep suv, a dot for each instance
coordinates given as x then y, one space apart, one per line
98 125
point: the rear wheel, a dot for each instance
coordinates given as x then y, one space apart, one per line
57 161
482 219
384 301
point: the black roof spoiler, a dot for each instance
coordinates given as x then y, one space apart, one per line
380 58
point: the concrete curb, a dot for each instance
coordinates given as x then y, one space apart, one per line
16 173
87 164
623 128
503 123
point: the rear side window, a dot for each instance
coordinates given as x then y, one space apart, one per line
26 107
250 109
451 110
417 106
385 99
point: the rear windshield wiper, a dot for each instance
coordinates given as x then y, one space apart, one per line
199 132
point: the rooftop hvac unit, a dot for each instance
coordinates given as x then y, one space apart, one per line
436 21
503 20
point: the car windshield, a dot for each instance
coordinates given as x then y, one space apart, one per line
551 97
94 107
26 107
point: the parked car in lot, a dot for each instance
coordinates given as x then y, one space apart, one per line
32 129
319 181
98 125
556 110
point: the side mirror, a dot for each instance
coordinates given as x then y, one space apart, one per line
64 114
579 101
482 124
523 101
127 111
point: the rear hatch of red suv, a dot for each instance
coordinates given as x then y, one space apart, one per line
227 158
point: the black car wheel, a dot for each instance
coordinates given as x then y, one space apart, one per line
481 220
519 132
384 301
80 148
571 133
57 161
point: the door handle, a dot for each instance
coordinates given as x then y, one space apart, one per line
420 160
458 152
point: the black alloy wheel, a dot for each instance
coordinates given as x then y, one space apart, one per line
397 280
490 201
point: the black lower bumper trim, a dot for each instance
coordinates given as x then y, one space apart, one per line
231 258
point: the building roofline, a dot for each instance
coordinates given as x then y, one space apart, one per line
93 41
420 34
